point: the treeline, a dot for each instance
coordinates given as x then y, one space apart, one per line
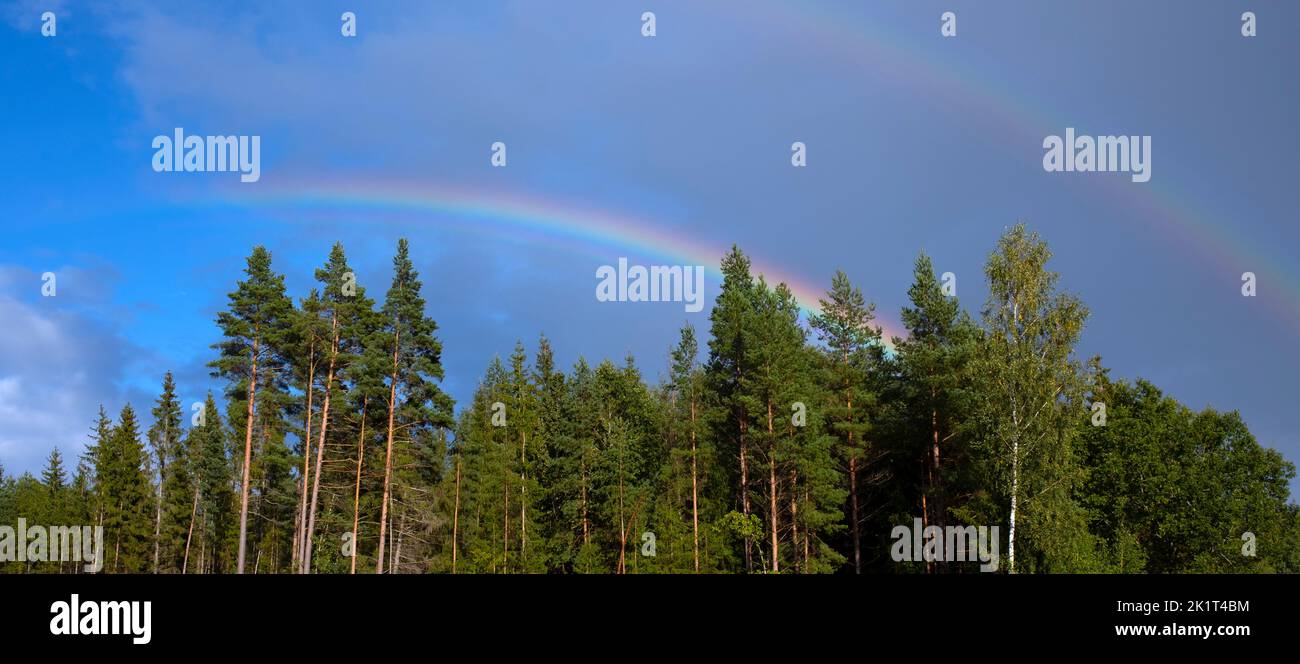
777 445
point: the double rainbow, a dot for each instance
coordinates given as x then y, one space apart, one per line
890 58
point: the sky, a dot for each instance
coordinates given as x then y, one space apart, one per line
664 150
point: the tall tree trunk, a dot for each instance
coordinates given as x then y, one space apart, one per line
695 492
248 458
396 566
744 473
194 509
296 563
523 500
505 510
925 517
388 455
794 520
853 486
1015 459
807 532
622 525
853 491
935 508
300 534
117 542
308 544
356 496
583 486
771 494
259 501
1015 489
455 518
744 497
157 521
936 476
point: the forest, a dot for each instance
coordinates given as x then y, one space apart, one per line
775 443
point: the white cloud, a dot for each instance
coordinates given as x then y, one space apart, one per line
60 358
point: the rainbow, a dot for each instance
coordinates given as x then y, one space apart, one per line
1019 121
513 217
888 58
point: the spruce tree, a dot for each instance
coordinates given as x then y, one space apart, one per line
93 460
521 404
164 440
54 478
180 506
128 508
216 501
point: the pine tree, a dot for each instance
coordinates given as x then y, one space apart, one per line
686 387
817 488
580 472
773 345
365 375
844 326
935 392
414 398
345 304
726 374
307 339
253 326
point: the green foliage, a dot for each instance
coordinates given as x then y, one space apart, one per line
596 469
1174 490
1029 397
127 497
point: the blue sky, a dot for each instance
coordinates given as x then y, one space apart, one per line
914 142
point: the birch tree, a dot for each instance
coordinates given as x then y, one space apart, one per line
1031 379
